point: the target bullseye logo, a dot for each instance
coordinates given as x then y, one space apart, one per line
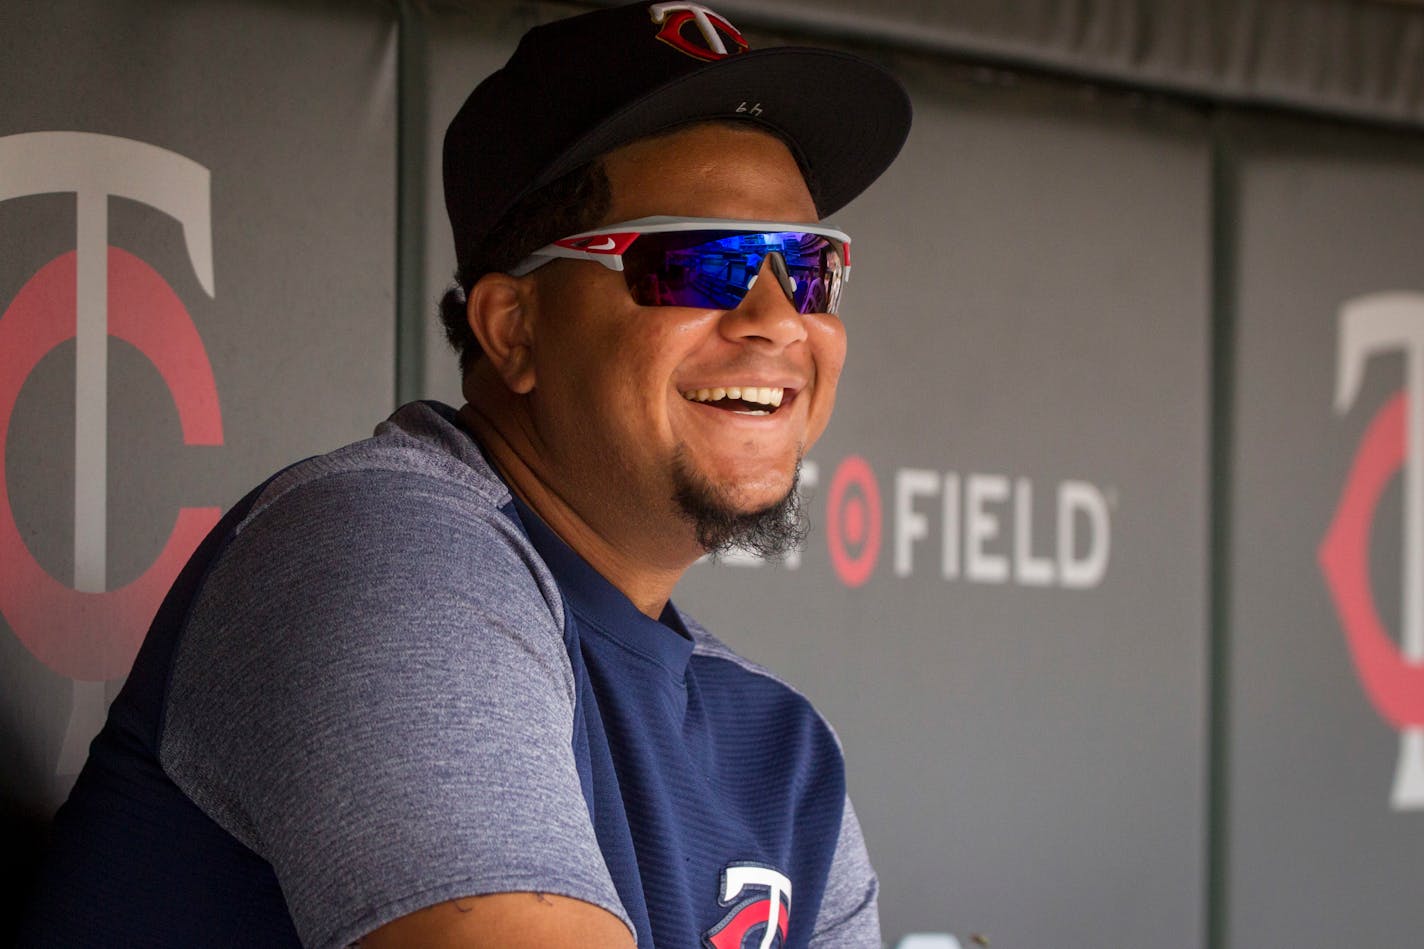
1392 675
853 521
80 629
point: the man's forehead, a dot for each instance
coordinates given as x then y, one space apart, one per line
709 169
736 127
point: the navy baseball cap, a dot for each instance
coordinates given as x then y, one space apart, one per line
579 87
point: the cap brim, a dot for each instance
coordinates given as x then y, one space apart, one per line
846 117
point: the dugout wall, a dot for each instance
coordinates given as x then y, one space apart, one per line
1114 586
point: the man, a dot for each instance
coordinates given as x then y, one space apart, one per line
430 690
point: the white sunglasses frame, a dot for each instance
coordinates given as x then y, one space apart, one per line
624 233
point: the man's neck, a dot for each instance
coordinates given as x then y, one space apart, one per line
642 564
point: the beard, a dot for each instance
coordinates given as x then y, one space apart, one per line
770 532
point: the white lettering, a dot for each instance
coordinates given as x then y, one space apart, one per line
1029 570
1076 497
928 941
981 526
737 557
950 566
987 529
910 524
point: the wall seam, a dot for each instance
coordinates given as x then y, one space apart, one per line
412 130
1225 208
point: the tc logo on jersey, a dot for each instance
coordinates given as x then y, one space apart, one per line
711 28
759 905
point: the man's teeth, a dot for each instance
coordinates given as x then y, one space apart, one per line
762 395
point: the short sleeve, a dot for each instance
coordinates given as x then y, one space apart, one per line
373 694
850 911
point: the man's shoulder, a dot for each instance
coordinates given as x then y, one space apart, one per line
413 508
419 446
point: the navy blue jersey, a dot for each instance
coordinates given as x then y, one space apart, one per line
693 764
383 682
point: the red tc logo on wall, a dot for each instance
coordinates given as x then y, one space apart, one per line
1392 675
76 626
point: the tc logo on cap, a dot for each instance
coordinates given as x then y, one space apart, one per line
711 26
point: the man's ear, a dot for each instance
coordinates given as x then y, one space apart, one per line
500 311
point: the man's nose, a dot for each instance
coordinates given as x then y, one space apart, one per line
766 312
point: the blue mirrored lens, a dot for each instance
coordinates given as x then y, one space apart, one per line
714 269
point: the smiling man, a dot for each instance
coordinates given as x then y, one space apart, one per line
430 689
645 435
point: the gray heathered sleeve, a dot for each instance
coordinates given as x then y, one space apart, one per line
850 912
373 694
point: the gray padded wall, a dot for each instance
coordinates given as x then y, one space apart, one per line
1003 604
462 48
1326 802
249 148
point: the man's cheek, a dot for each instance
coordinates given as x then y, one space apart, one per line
828 336
821 411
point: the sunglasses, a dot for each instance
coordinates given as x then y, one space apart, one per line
710 263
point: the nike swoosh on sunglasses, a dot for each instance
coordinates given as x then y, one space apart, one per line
711 263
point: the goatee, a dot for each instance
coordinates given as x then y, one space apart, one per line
770 533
